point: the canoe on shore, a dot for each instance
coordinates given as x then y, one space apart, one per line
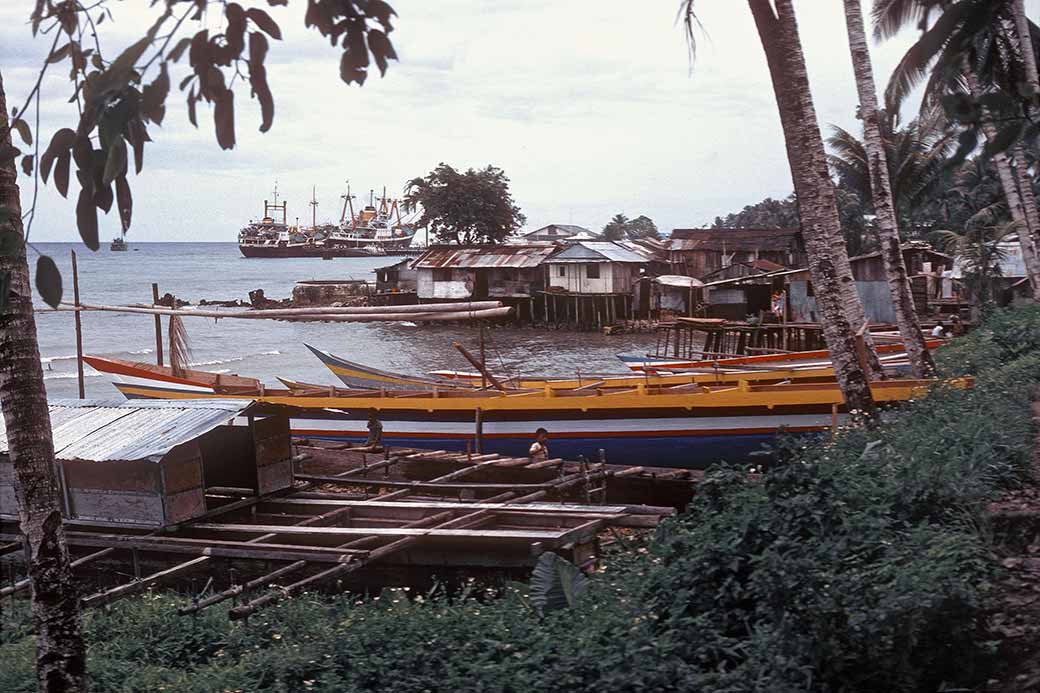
690 425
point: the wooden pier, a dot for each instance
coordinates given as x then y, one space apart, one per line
353 512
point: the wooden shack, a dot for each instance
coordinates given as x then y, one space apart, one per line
700 252
149 462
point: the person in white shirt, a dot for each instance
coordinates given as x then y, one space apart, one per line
939 330
539 451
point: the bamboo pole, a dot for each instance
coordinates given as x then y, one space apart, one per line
329 315
478 365
79 328
158 326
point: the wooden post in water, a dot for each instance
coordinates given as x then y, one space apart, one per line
79 327
158 326
483 370
479 424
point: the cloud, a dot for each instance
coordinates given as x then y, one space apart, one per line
590 108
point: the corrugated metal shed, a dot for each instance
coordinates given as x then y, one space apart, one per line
599 251
111 430
483 256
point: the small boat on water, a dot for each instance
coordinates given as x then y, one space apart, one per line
696 343
688 425
357 375
119 244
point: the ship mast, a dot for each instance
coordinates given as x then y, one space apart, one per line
347 202
314 207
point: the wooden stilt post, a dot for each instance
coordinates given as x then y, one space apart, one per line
158 326
483 362
479 424
79 328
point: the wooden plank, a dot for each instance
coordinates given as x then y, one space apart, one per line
550 508
292 530
107 596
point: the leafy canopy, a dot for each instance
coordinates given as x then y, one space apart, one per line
464 207
621 228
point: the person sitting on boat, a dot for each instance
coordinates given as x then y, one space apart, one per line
375 431
939 330
539 451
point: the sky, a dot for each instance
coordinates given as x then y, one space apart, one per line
591 109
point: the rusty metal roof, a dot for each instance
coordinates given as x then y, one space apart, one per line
483 256
730 240
111 430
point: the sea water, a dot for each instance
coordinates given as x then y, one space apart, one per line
268 348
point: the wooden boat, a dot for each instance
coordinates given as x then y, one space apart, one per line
689 425
891 355
356 375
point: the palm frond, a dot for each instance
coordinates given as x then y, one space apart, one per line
180 348
691 24
890 16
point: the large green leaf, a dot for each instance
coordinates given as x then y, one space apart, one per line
556 583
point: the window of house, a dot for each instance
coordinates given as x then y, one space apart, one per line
592 271
442 275
563 271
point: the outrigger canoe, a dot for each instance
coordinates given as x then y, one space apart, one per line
892 355
356 375
690 425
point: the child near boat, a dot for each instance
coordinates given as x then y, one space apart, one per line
539 451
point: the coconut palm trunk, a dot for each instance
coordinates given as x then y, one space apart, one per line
840 309
1025 44
921 363
60 653
1009 182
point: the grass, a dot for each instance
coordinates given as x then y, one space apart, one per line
859 564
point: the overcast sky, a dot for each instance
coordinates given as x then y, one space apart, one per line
591 108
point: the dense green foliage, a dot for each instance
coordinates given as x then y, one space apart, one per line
621 228
858 564
464 207
768 214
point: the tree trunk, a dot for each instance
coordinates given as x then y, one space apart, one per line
1010 184
1025 43
60 653
921 363
840 309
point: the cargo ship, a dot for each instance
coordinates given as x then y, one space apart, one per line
374 230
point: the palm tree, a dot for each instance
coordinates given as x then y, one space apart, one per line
970 52
615 230
841 311
916 154
980 252
921 363
60 652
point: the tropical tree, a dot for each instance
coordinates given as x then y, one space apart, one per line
767 214
921 363
917 157
840 308
464 207
976 66
621 228
979 250
115 104
615 228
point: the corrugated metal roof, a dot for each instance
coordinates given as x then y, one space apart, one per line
484 256
599 251
110 430
731 240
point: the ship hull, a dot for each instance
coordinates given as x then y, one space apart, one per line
260 251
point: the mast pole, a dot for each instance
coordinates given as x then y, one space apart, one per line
79 329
